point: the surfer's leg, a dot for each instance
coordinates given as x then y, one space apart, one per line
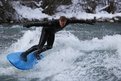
24 54
50 40
45 48
42 41
35 47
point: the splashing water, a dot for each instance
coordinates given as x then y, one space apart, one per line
71 59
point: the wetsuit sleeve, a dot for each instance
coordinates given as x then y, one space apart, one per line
37 24
87 21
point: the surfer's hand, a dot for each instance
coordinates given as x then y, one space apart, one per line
91 21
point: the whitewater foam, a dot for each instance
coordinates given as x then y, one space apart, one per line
70 59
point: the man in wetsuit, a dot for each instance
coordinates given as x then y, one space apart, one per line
48 34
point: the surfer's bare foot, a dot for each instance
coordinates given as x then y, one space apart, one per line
23 57
37 56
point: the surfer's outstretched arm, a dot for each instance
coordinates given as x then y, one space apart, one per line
37 24
87 21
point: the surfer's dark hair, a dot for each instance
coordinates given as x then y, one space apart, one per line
62 18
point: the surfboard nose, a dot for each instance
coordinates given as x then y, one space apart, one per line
15 60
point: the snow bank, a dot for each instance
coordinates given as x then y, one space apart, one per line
27 12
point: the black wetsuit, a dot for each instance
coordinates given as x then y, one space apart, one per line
48 34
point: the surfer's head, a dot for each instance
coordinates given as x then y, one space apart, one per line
62 21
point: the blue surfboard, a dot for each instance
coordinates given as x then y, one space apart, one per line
15 60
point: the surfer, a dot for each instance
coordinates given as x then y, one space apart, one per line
48 34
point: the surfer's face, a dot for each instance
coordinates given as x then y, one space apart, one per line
62 22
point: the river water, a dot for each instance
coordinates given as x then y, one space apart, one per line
81 52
